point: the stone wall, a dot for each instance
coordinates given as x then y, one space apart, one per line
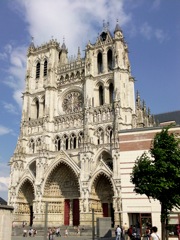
5 222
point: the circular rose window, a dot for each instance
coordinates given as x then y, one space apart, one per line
72 102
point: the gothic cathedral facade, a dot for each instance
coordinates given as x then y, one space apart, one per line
68 153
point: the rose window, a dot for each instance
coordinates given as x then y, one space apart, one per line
72 102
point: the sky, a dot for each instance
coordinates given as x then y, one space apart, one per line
151 29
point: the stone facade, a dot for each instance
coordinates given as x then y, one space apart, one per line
68 152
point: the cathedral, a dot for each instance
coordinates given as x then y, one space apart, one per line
69 152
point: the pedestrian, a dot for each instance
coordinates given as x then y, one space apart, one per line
58 233
125 232
24 233
130 232
66 232
118 233
50 234
154 234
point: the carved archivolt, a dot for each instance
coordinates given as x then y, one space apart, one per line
62 182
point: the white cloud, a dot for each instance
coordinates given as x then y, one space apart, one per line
146 30
16 70
10 108
3 56
75 20
149 32
156 4
5 130
160 35
4 183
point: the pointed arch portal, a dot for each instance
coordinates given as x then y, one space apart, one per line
62 190
102 197
25 199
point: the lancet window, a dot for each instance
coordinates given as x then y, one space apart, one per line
109 134
45 68
100 136
57 143
38 142
66 142
101 95
110 59
32 145
37 108
99 63
111 93
38 70
73 141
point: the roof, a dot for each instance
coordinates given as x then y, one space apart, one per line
168 117
2 201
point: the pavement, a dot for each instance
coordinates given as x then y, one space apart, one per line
59 238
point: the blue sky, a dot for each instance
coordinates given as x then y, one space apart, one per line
151 29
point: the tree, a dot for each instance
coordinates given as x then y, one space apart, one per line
158 176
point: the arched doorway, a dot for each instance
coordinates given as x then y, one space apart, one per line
25 198
62 194
101 197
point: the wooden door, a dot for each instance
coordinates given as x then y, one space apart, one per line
105 209
66 211
75 212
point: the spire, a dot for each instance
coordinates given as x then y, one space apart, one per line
79 54
117 28
32 42
138 100
63 45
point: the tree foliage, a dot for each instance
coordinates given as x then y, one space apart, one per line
157 173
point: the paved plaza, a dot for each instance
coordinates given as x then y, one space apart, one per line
58 238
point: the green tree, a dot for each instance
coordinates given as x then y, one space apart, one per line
157 174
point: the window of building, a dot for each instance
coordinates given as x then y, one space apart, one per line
45 68
109 59
37 109
101 95
66 142
32 145
73 141
111 93
100 63
100 136
174 224
38 70
58 143
43 106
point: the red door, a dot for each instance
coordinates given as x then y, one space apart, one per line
75 212
105 209
66 211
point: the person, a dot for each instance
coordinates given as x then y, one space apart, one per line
58 232
130 231
66 232
125 231
154 235
78 230
50 235
24 233
35 232
148 233
29 232
118 233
